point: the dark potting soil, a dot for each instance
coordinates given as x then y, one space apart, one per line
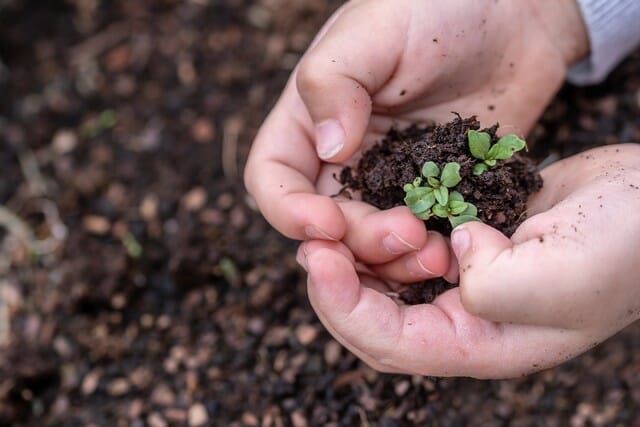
199 324
500 193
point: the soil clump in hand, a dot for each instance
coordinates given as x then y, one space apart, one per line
500 194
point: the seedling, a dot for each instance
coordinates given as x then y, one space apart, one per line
457 210
435 199
481 148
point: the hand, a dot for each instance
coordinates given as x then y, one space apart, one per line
565 281
379 63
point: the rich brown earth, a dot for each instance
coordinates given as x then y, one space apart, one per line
208 318
500 194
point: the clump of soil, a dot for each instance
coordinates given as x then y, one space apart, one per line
500 194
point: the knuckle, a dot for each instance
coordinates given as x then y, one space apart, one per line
472 297
310 77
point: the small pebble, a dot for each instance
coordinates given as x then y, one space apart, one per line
195 199
203 131
198 415
306 334
118 387
95 224
298 419
332 351
64 141
249 419
90 382
155 420
149 207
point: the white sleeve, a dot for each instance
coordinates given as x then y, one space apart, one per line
614 31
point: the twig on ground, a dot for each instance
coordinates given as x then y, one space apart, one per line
31 170
21 230
231 128
96 45
5 320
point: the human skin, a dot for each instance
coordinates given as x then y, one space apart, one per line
379 63
523 304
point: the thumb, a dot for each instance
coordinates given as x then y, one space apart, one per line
528 282
478 248
342 71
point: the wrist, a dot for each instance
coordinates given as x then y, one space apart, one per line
564 26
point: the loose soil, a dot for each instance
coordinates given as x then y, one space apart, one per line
211 323
500 194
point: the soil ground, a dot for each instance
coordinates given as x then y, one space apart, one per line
168 300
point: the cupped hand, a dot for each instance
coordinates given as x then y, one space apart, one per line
379 63
565 281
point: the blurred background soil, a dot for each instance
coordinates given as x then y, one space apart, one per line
138 283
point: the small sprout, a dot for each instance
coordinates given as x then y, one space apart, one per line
456 210
132 246
107 119
481 148
229 271
421 199
435 199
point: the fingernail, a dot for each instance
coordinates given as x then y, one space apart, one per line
460 241
330 138
396 244
301 256
415 267
314 232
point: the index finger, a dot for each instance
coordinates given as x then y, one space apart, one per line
281 171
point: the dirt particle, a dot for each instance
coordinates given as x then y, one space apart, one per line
306 334
198 415
541 239
195 199
435 40
118 387
203 131
491 107
96 224
403 92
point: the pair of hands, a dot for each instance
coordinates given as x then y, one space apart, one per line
524 303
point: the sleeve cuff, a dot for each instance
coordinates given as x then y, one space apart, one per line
613 32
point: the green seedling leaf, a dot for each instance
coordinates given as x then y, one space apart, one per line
505 147
457 220
490 162
440 211
430 169
229 270
450 175
408 187
442 195
480 168
456 196
132 246
417 182
457 208
420 199
471 210
479 143
424 215
434 182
